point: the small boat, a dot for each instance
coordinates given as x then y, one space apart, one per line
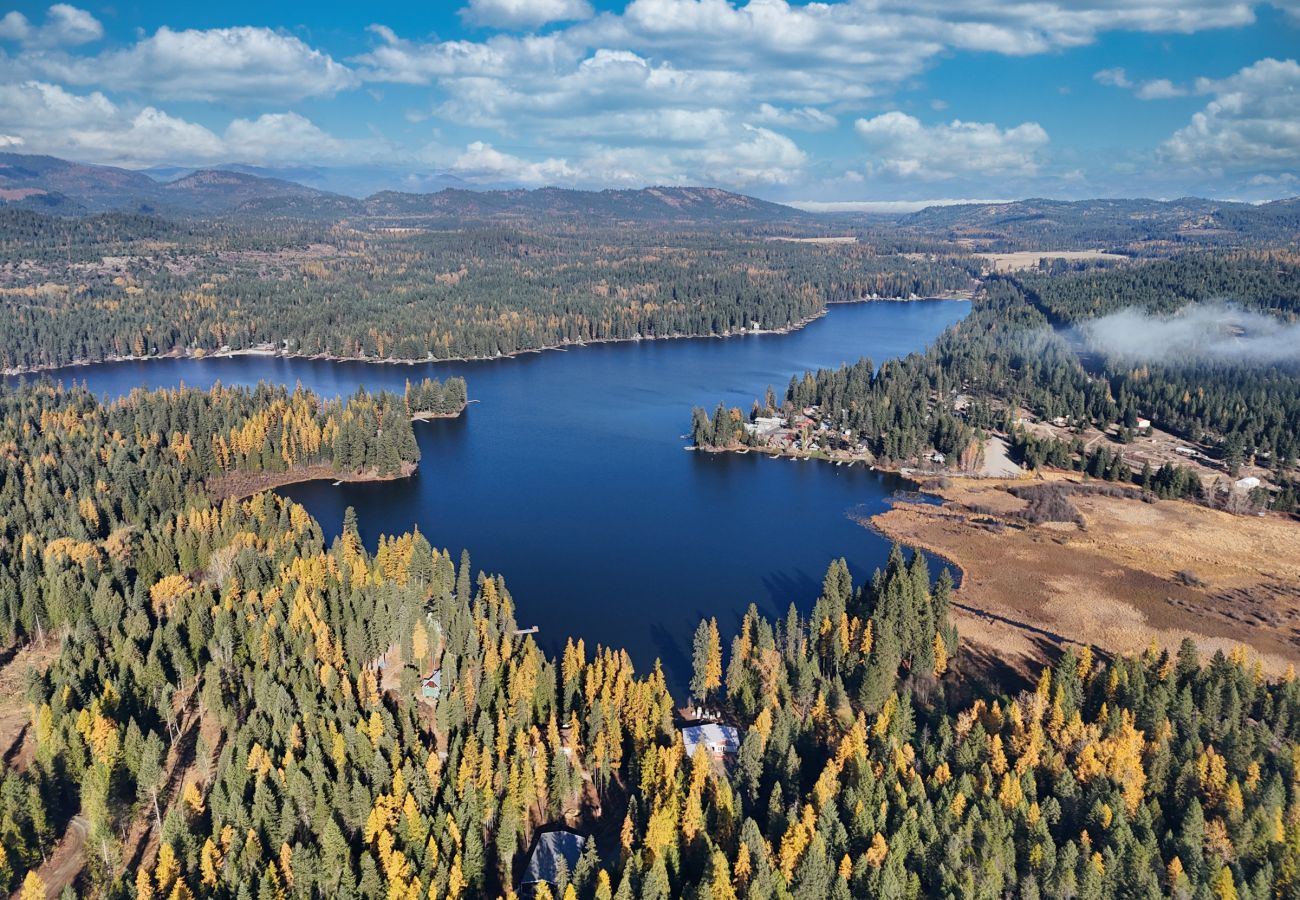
337 483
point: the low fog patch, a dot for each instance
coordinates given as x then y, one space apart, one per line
1216 331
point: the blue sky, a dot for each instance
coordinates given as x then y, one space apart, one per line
858 101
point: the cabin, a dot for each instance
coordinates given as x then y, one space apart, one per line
1143 424
719 740
553 852
431 687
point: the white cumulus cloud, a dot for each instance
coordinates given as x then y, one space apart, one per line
242 63
1252 122
1159 89
525 13
483 162
804 118
902 146
41 117
64 26
1155 89
49 119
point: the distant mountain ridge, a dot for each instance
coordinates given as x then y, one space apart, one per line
61 187
350 181
55 185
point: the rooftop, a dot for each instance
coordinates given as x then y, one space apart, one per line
715 738
551 848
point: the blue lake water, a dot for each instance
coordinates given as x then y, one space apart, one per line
569 477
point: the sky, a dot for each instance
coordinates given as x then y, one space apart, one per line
856 103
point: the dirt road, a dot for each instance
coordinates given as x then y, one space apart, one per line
66 862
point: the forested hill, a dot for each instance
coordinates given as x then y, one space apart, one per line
664 205
1147 225
1005 356
118 285
1264 281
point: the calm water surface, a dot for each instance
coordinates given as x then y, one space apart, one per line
569 477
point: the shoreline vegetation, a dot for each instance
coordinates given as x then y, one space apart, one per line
269 350
242 485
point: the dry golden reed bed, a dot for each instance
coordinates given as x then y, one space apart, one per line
1136 572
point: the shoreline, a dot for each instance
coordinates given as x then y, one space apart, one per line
241 486
247 484
21 371
430 416
916 476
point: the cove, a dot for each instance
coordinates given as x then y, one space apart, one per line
568 475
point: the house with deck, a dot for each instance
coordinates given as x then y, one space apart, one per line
718 740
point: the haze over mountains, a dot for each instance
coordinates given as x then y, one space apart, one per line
59 187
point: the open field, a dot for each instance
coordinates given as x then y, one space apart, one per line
1134 573
1028 259
829 239
16 746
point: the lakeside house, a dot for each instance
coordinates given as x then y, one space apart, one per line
555 853
765 427
719 740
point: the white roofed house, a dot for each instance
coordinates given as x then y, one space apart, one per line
719 740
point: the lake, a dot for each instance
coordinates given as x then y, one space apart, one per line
569 475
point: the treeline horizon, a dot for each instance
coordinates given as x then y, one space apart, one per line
131 286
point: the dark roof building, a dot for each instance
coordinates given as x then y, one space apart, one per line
553 849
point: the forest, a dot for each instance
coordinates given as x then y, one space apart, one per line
117 285
1019 348
233 709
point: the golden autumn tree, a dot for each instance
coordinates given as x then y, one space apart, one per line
707 660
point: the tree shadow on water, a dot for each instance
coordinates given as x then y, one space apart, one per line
672 652
783 588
